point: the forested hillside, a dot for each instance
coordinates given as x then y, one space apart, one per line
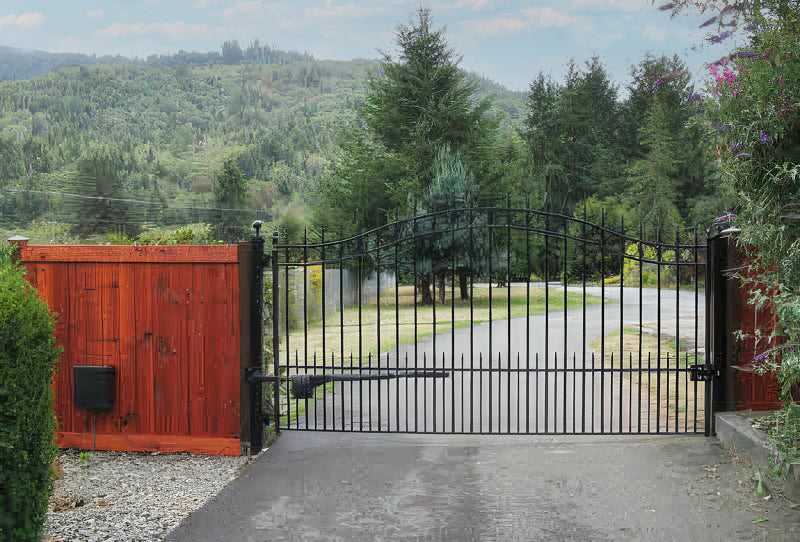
136 146
141 149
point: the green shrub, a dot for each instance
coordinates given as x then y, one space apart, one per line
27 356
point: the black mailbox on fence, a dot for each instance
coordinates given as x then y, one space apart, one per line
95 386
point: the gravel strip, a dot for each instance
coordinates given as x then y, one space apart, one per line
131 496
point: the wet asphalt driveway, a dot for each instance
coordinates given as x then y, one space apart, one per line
344 486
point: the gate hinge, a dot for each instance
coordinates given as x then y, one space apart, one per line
702 373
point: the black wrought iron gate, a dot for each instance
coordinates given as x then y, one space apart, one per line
491 320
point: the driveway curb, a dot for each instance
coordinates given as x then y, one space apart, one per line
735 430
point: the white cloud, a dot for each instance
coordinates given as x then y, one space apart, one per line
174 30
530 18
474 5
612 5
26 21
200 4
346 11
547 17
243 8
496 26
96 14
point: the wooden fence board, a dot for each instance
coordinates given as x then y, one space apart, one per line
167 319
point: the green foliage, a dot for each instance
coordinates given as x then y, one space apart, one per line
415 105
645 150
229 191
754 110
570 130
636 270
451 193
166 127
27 451
786 432
191 234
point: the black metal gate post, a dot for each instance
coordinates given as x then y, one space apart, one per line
251 300
715 373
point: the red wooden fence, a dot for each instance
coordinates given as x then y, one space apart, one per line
167 318
755 391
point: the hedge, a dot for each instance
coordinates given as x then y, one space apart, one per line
27 423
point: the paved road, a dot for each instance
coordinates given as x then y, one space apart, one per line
337 486
532 375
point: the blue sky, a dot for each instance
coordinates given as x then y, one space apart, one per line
508 41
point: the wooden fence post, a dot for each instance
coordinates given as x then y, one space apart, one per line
21 244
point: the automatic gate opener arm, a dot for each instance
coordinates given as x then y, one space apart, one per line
303 385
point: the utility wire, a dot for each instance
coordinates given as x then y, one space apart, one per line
129 200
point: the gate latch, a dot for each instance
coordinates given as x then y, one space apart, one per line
702 373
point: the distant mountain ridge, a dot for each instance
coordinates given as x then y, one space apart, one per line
21 64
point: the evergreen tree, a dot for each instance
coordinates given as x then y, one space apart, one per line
572 133
99 203
660 121
229 191
655 175
421 101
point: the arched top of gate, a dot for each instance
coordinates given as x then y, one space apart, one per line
521 219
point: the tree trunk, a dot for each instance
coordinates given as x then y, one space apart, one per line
462 282
441 289
425 286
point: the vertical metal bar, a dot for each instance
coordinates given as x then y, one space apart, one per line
324 335
519 401
547 323
622 319
360 282
536 386
583 328
305 310
397 329
296 400
341 331
649 390
677 322
454 224
416 321
472 326
286 306
491 331
276 333
508 313
369 391
378 322
433 355
603 319
565 354
641 314
659 253
696 326
528 319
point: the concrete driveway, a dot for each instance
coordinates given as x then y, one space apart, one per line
344 486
